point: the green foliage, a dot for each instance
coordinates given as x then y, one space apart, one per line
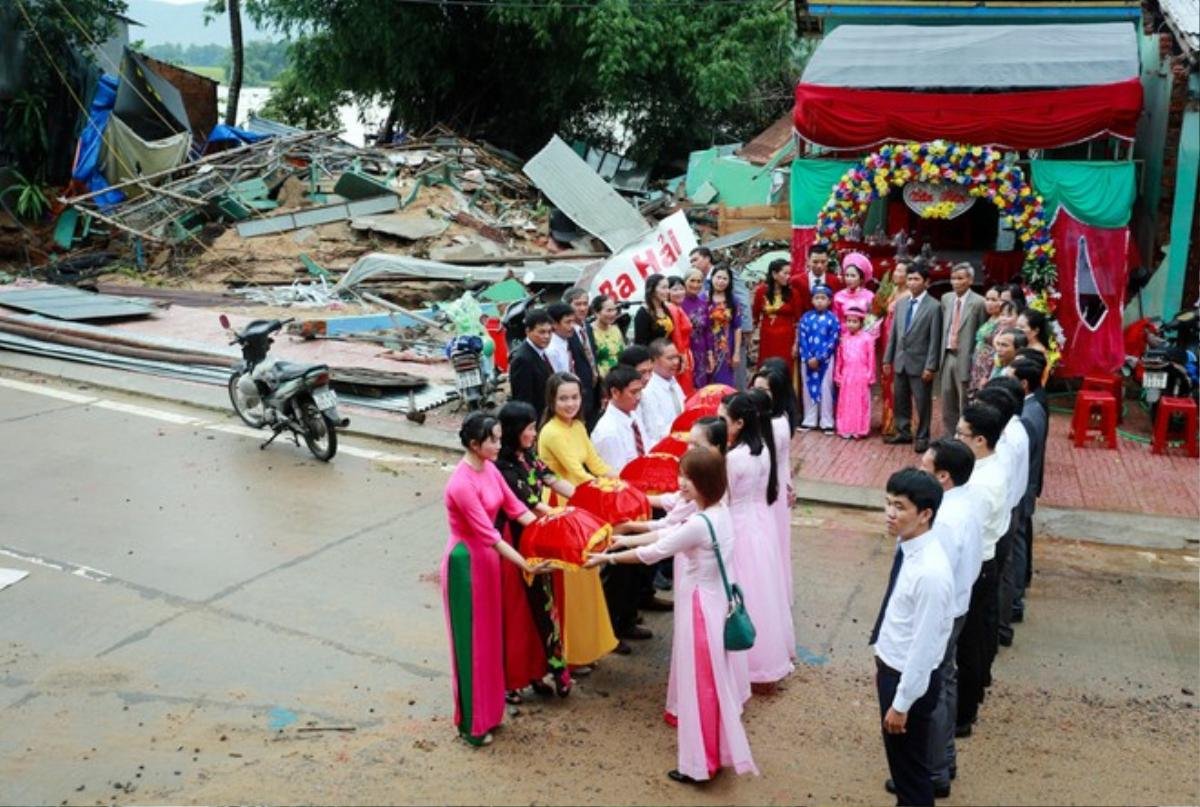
263 61
292 103
31 203
675 76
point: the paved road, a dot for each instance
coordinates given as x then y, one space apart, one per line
199 613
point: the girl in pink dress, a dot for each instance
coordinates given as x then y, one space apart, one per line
854 373
709 733
474 498
856 272
774 384
753 488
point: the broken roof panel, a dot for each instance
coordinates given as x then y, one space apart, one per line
74 305
770 142
572 186
375 263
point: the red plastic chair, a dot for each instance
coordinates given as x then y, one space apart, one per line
1102 406
1114 384
1162 425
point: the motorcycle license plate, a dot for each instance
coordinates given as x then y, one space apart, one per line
324 399
471 378
1154 380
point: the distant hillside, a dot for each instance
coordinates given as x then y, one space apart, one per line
184 24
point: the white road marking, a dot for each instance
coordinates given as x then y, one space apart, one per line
34 559
88 573
187 420
147 412
49 392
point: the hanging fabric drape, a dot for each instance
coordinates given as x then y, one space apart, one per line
1097 193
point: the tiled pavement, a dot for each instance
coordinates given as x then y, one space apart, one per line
1130 480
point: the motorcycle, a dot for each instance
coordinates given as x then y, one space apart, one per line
280 395
1163 358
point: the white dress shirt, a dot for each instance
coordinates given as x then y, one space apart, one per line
989 485
614 440
1013 447
662 401
559 354
959 526
918 618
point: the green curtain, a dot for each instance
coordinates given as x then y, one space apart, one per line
1097 193
812 185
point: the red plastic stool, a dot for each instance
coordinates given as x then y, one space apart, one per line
1108 383
1102 405
1162 425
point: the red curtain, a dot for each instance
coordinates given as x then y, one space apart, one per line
848 118
1093 266
802 239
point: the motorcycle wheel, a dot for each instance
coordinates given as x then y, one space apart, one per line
320 433
250 415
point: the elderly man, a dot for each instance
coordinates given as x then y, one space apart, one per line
962 314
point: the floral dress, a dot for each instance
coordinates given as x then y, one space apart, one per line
609 344
696 308
532 624
983 361
723 321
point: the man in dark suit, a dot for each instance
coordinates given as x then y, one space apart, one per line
528 367
578 300
913 352
962 314
816 273
1040 393
1012 588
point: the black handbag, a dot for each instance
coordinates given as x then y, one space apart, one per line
739 630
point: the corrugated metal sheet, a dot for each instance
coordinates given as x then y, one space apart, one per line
586 199
74 305
1184 17
312 216
376 263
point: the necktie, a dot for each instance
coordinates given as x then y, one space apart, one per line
954 323
887 594
546 361
908 315
587 350
637 439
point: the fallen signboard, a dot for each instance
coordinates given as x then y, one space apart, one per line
663 251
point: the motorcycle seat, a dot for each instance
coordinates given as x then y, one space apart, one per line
286 370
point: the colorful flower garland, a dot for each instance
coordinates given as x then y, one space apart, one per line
982 170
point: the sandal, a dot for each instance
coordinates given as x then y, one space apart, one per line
541 687
675 776
513 697
562 683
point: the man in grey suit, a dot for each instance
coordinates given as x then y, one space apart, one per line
962 314
913 352
1012 587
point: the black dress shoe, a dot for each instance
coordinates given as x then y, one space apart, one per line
1005 639
682 778
622 649
939 791
898 439
962 731
636 632
1017 616
921 446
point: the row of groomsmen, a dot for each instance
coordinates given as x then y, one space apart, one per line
963 523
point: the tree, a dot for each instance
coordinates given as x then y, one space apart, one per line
291 103
674 74
214 9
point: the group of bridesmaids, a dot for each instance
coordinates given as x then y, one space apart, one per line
732 511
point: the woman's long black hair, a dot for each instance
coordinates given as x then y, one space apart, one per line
785 291
514 417
753 408
730 299
1037 321
655 306
783 396
715 431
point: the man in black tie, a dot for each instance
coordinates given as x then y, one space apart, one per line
911 632
529 368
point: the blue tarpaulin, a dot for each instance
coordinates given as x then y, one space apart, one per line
87 161
222 133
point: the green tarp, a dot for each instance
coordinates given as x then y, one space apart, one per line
737 182
812 185
1097 193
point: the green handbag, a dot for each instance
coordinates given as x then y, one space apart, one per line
739 630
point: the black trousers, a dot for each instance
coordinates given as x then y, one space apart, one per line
908 753
622 592
972 645
1003 558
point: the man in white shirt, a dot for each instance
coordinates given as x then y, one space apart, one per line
662 399
619 438
911 632
562 321
979 427
957 525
